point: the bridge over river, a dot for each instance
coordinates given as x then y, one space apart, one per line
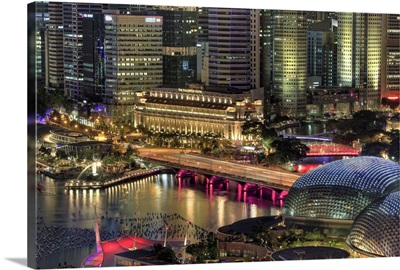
225 169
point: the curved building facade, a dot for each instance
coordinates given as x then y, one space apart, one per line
376 230
340 190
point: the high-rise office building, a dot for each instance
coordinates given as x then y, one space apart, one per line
41 20
133 60
73 15
359 38
202 45
54 47
284 62
255 49
93 84
229 49
179 46
321 54
391 57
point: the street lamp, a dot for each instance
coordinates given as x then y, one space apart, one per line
186 233
165 237
134 242
185 241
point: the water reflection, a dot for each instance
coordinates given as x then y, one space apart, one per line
307 129
154 194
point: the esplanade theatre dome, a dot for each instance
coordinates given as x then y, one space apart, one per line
341 189
376 230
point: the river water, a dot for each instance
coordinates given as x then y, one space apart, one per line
307 129
153 195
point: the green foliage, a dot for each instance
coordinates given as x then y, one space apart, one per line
44 150
252 128
287 150
205 249
60 154
374 149
364 122
314 235
164 253
130 151
167 255
393 150
280 118
47 99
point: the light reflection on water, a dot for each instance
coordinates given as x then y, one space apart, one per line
154 194
307 129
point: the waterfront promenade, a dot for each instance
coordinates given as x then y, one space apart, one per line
129 176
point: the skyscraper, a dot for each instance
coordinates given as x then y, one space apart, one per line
93 57
284 68
321 54
54 43
229 49
391 57
179 46
41 20
133 60
359 55
73 15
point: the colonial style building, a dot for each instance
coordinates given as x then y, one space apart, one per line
204 110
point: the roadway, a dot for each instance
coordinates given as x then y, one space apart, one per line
245 172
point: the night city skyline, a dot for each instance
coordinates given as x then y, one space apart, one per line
173 134
338 52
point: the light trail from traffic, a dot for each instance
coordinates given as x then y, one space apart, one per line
237 171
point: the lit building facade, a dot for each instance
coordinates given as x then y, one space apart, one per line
93 57
321 54
41 20
133 60
179 46
391 57
202 45
338 100
197 110
359 38
333 195
284 49
375 231
54 47
73 15
229 47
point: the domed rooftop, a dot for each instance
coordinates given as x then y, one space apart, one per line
376 230
342 188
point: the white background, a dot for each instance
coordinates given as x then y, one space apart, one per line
13 149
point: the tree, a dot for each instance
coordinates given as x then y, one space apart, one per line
167 254
60 154
130 151
205 249
252 129
365 120
375 149
365 123
44 150
50 99
393 150
144 130
268 136
288 149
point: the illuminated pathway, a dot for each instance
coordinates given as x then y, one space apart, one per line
235 171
